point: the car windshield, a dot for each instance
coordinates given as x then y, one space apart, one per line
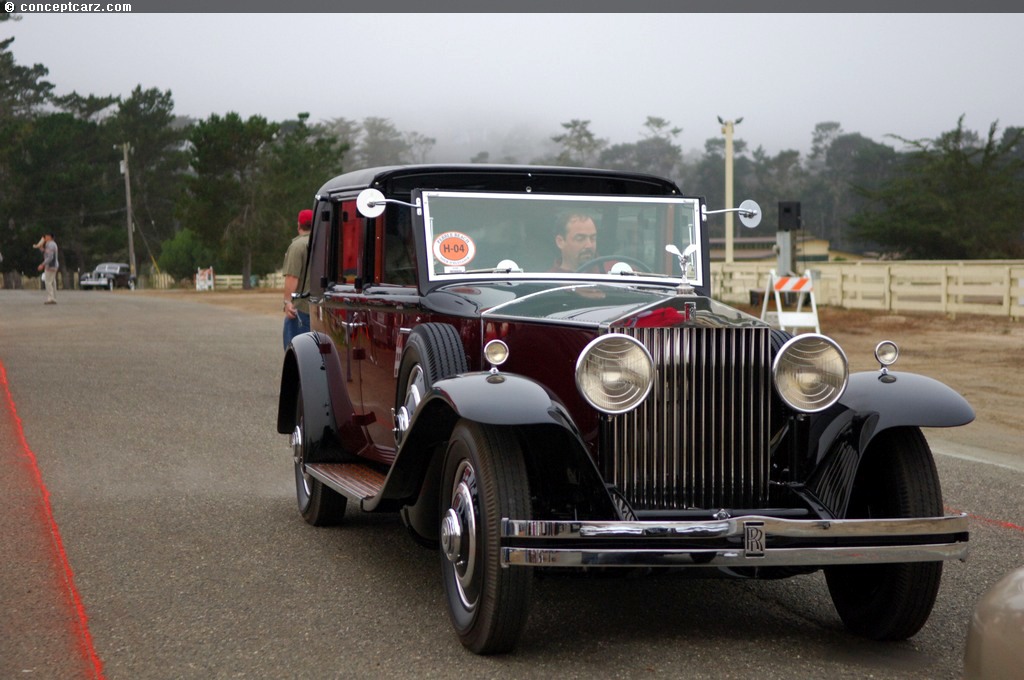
472 234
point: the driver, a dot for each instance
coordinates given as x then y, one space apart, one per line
576 242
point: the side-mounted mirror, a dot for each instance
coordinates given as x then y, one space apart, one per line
749 212
371 202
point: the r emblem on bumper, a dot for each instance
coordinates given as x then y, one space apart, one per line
753 539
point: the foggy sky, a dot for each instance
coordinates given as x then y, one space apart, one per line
479 80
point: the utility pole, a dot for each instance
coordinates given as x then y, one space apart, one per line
128 201
728 126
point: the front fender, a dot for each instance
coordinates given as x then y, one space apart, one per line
551 442
491 399
873 402
905 399
499 399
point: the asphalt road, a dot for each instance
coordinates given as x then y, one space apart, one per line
150 421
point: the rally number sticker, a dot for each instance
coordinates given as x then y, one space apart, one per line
454 249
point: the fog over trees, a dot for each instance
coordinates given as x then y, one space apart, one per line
225 191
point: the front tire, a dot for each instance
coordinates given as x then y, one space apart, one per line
319 505
890 601
484 480
433 352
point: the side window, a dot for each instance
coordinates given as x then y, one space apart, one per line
319 245
347 243
335 245
399 249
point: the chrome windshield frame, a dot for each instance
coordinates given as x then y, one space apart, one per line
459 267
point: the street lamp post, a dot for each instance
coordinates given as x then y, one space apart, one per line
728 126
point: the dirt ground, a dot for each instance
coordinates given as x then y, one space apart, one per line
981 357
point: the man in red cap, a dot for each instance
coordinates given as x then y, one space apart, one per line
296 310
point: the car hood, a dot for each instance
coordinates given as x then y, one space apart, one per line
593 304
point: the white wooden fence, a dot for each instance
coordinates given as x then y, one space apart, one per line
163 281
994 287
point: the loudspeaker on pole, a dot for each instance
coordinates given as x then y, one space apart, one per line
789 215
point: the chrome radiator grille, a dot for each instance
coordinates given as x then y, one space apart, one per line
701 439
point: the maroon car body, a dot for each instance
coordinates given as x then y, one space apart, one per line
519 418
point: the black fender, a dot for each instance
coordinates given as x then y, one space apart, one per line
491 399
872 403
550 440
500 399
902 399
875 401
312 364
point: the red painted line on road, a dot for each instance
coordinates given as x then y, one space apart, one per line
989 520
82 634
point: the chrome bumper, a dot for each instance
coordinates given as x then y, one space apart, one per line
751 541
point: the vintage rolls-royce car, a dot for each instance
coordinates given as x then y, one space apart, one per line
525 364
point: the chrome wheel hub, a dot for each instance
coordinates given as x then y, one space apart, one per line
296 442
459 535
298 454
451 536
413 396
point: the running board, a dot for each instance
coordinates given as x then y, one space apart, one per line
352 480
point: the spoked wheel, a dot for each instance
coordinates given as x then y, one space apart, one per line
890 601
319 505
484 480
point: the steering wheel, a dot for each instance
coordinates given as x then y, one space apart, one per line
614 258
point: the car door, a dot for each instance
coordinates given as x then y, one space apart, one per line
387 310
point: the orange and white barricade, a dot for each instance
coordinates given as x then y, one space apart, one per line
800 286
204 279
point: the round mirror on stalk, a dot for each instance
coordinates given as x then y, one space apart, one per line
750 213
370 203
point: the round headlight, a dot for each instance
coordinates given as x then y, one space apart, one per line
810 372
614 373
